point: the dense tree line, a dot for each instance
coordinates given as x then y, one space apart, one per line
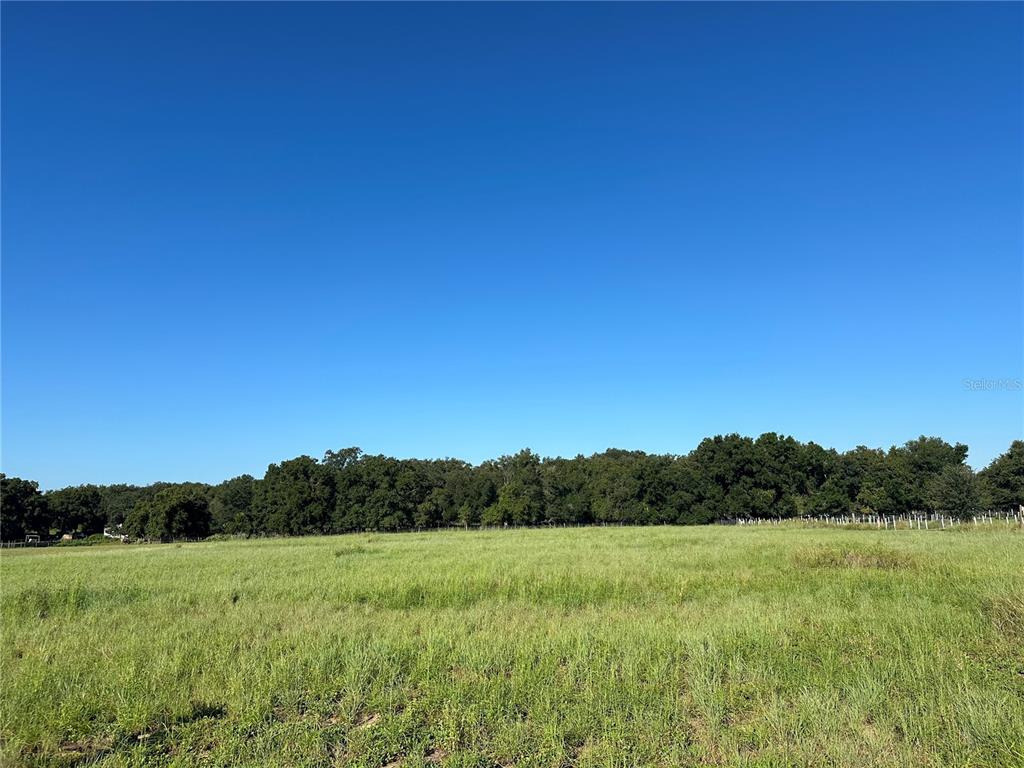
724 477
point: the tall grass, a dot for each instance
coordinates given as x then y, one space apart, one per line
583 647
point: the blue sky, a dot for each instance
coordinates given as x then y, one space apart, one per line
233 234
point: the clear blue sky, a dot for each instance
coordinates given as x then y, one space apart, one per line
233 234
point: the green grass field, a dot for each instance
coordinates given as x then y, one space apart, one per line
583 647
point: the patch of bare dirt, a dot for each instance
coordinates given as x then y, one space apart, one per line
367 721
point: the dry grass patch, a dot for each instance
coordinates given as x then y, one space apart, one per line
1007 614
855 557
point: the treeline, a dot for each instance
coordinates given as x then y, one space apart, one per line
724 477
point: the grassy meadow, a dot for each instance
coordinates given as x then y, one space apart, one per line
699 646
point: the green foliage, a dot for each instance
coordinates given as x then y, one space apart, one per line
78 509
117 501
920 461
568 490
23 509
955 490
873 499
521 493
295 498
1003 479
176 512
231 506
726 476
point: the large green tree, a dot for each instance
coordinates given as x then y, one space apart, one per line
117 501
296 497
1003 479
78 509
23 509
955 490
521 493
918 462
231 506
176 512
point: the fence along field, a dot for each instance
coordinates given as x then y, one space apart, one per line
919 521
664 646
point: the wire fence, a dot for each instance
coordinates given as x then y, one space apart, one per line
77 543
930 521
923 521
